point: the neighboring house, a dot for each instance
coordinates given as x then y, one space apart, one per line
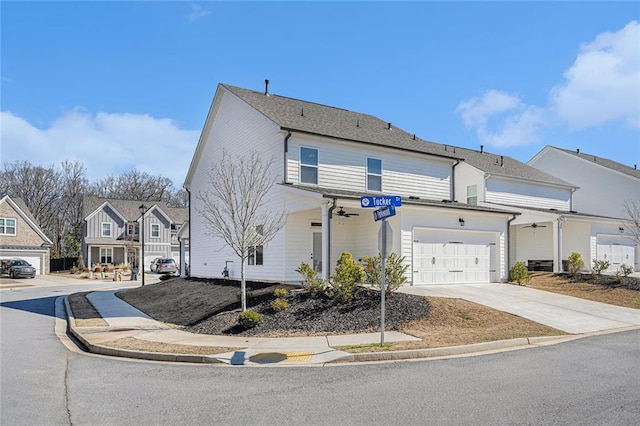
605 185
325 159
20 237
111 231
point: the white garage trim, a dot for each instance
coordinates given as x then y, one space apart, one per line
454 256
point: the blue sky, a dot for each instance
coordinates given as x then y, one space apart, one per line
119 85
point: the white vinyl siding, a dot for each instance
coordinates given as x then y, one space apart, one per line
238 129
341 166
511 192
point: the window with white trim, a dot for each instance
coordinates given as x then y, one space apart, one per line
7 226
308 165
155 230
106 229
472 195
374 174
106 255
132 228
256 252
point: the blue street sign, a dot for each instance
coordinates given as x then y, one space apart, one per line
384 212
381 201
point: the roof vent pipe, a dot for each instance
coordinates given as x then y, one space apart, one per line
445 147
388 126
414 136
358 123
481 149
302 113
502 161
266 87
635 167
578 151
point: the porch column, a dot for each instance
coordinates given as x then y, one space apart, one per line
326 229
183 262
88 265
557 255
561 220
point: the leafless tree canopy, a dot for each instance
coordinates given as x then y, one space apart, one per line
632 208
234 208
54 196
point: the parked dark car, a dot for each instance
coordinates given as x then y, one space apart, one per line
166 266
18 268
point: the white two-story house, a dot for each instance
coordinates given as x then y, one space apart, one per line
604 187
458 205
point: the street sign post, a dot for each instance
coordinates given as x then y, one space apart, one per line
381 201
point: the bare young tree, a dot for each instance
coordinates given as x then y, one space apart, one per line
234 208
632 208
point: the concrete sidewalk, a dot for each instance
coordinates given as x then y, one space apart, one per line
566 313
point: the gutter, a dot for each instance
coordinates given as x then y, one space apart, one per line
453 180
285 177
509 243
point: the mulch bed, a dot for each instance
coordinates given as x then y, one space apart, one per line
631 283
308 315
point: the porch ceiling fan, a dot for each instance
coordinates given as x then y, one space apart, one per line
535 225
342 213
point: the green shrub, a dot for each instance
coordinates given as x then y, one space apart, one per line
519 273
349 274
574 263
311 283
625 270
249 319
280 292
394 272
600 265
279 304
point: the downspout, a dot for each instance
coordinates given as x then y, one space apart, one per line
453 180
188 274
509 244
285 177
334 203
561 220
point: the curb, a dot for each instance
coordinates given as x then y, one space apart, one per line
127 353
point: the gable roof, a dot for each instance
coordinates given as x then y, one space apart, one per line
604 162
128 209
21 208
316 119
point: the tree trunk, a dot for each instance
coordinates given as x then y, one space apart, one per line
243 286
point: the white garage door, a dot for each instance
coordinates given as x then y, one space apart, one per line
616 250
452 257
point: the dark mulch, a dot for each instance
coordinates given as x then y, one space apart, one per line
82 308
320 315
631 283
189 301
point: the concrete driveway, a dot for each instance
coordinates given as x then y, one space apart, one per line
561 312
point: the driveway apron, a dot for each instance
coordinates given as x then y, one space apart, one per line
566 313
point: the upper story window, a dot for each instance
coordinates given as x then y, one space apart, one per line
308 165
106 229
7 226
132 228
472 195
374 174
155 230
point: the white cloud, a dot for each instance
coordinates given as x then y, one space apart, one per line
197 12
105 143
603 84
513 122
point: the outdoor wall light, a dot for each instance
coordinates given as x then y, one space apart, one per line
621 229
461 221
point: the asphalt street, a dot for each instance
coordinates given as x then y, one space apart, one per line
594 380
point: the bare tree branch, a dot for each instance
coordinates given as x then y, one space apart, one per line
632 208
234 207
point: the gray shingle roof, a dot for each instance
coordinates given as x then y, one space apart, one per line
613 165
129 208
309 117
